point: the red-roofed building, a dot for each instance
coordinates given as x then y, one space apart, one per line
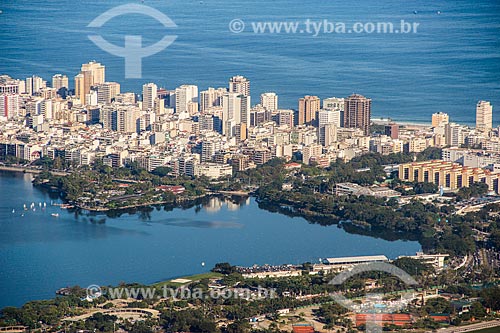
303 328
440 317
292 165
384 319
175 189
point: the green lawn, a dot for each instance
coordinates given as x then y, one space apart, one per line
197 277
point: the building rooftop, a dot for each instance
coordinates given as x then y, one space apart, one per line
355 260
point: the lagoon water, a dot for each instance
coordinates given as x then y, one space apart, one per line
40 253
448 65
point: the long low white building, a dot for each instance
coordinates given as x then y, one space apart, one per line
341 263
355 260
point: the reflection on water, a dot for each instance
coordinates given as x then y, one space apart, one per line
40 253
178 222
215 204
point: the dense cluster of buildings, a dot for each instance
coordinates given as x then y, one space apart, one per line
213 132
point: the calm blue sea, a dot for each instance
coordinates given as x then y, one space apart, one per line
40 253
451 63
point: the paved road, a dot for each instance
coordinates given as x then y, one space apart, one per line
29 170
471 328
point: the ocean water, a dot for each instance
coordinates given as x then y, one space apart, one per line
448 65
40 253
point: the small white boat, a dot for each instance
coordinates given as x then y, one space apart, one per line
55 214
13 211
44 204
24 207
39 204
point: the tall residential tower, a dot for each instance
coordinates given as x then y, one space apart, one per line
357 112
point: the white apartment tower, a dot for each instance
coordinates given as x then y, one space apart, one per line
34 84
269 101
186 98
149 94
239 84
334 103
329 116
484 116
211 97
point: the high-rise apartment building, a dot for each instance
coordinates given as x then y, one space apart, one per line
186 96
308 106
211 97
80 87
454 135
329 116
357 112
91 74
9 105
240 85
334 103
327 134
235 110
440 119
60 81
484 116
34 84
149 94
285 118
269 101
97 72
10 86
107 91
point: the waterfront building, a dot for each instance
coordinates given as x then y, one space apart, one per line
213 170
357 113
484 116
269 101
149 93
240 85
440 119
308 107
186 99
91 74
34 84
60 81
334 103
